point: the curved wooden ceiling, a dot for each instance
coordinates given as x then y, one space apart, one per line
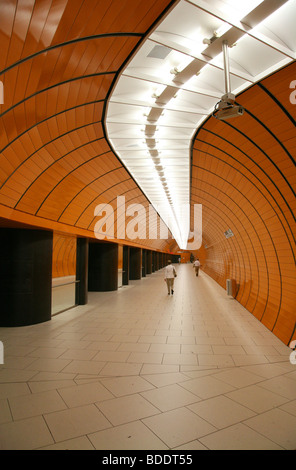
59 60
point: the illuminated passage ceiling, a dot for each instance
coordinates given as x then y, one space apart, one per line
175 81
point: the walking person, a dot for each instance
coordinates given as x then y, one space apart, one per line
196 265
169 277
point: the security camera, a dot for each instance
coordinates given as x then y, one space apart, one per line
226 108
230 112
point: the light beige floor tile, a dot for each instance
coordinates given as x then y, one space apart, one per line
206 387
153 339
238 377
131 436
208 340
17 350
35 404
26 434
125 339
103 346
145 358
276 425
78 395
178 427
257 398
196 349
180 359
79 354
111 356
71 336
79 443
249 359
289 407
266 371
47 352
49 364
170 397
14 376
221 411
238 437
5 414
16 362
51 376
84 367
158 369
121 386
125 409
46 385
120 369
134 347
193 445
76 422
160 380
181 340
281 385
72 344
232 350
219 360
13 389
261 350
165 348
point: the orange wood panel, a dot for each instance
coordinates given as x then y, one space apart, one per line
64 255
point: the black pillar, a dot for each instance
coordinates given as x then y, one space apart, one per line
25 276
81 271
153 261
125 266
144 263
135 263
156 261
102 267
149 262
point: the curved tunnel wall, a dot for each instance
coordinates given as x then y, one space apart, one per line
243 172
58 64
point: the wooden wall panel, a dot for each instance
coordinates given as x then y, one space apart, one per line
243 172
63 255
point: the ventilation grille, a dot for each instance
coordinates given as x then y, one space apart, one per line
159 52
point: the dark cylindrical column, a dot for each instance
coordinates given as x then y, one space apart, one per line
25 276
102 267
125 266
149 262
144 263
135 263
81 271
156 261
153 261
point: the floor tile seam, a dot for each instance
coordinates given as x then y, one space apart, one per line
85 404
76 436
136 421
224 427
185 407
277 393
265 436
159 412
243 422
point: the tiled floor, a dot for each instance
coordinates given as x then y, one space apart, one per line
138 369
